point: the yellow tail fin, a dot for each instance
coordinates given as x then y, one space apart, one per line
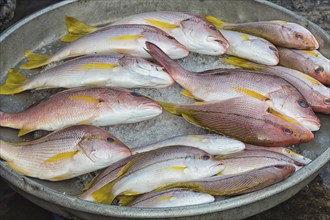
216 22
76 29
34 60
242 63
13 83
170 107
125 200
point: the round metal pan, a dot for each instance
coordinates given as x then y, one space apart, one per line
46 26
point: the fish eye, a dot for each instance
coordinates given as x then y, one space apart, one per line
319 69
288 131
136 94
299 36
205 157
109 139
212 27
327 101
303 103
170 37
272 48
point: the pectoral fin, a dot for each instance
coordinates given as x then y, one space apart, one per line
61 156
175 168
161 24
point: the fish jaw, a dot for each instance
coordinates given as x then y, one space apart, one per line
201 37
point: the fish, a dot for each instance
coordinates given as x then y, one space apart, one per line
238 184
169 198
211 143
312 63
280 33
160 167
128 39
251 47
224 84
243 118
281 150
194 32
316 94
113 70
99 106
65 153
253 159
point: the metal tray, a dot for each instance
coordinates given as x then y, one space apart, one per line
42 31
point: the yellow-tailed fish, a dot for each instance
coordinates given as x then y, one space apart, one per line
126 39
194 32
114 70
281 150
251 47
169 198
280 33
316 94
246 119
312 63
222 84
98 106
65 153
157 168
237 184
211 143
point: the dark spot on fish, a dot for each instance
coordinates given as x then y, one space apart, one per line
327 101
299 36
170 37
303 103
319 69
212 27
279 166
109 139
206 157
136 94
288 131
272 48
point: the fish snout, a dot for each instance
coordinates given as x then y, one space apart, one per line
311 124
178 52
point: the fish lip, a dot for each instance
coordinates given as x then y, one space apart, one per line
311 124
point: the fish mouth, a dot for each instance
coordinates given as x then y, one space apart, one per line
307 137
310 124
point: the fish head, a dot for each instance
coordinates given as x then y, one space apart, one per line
300 35
103 148
140 107
321 71
167 43
266 51
201 36
144 70
290 102
202 163
285 170
285 128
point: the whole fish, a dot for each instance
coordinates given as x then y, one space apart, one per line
114 70
126 39
169 198
238 184
157 168
316 94
211 143
246 119
281 150
194 32
312 63
222 84
98 106
251 48
280 33
65 153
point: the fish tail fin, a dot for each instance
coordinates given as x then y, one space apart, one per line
76 29
102 195
89 185
35 60
170 107
242 63
174 69
125 200
13 83
215 21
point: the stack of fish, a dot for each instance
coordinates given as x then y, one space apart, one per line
259 111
